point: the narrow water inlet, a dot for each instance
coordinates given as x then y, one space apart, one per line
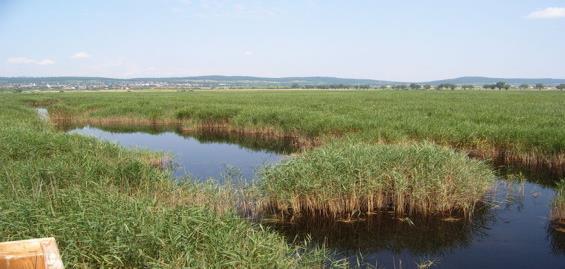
200 154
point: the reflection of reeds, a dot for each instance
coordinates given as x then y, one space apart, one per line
348 180
423 235
553 164
254 138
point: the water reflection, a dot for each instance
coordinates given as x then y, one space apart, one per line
511 232
252 141
200 155
419 236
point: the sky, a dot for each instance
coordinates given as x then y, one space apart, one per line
389 40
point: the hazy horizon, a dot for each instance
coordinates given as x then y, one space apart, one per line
400 41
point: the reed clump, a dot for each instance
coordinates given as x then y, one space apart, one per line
558 210
350 179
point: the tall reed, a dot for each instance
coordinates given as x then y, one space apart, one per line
348 179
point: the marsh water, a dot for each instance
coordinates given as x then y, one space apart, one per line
198 155
512 231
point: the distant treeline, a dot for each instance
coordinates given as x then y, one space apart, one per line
415 86
501 85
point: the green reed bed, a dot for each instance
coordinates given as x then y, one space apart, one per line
520 127
348 179
108 207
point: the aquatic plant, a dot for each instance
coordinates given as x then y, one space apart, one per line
348 179
558 210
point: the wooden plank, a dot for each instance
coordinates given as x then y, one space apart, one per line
39 253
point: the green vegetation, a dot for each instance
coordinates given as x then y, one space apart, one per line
558 211
501 85
108 207
523 127
347 179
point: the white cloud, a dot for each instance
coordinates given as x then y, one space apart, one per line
80 55
548 13
248 53
25 60
45 62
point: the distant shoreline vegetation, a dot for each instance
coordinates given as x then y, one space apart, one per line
244 82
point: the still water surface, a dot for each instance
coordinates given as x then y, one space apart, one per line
514 231
200 156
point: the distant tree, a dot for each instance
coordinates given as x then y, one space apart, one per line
447 86
502 85
489 86
524 86
561 87
400 87
427 87
294 86
468 87
415 86
539 86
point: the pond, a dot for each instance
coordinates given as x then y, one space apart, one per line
200 155
512 231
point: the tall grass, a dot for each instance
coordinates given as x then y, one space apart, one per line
109 207
343 180
522 127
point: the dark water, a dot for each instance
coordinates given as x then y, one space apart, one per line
201 155
514 231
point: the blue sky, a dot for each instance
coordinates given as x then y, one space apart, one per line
390 40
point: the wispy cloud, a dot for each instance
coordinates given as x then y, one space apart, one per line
80 55
25 60
548 13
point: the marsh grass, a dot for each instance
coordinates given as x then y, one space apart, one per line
524 128
109 207
344 180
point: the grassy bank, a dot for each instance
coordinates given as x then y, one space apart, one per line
514 127
341 180
108 207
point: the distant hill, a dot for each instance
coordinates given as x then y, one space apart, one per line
244 81
488 80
